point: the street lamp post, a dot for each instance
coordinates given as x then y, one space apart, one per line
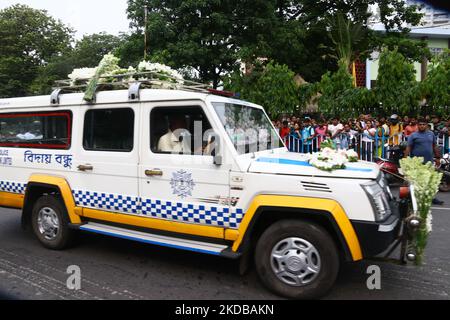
145 31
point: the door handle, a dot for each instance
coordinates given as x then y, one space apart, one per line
85 167
154 173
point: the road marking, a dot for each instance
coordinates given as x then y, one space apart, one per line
443 209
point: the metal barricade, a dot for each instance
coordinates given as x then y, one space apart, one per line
368 148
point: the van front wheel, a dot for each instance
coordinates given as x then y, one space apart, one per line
297 259
50 223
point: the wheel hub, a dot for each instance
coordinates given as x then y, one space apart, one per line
48 223
295 261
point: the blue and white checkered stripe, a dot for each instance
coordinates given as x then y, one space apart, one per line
190 213
174 211
105 201
12 187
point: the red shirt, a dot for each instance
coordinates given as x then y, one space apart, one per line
409 130
284 132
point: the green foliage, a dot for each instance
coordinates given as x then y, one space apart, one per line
436 87
29 39
332 87
271 86
397 89
411 49
211 35
346 36
195 34
88 52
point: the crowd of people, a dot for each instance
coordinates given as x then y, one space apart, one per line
369 135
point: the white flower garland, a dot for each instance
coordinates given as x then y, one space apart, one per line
110 67
329 159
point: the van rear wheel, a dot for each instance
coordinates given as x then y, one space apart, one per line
50 223
297 259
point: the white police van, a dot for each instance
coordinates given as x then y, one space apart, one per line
104 168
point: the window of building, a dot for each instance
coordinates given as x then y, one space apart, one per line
180 130
44 130
109 130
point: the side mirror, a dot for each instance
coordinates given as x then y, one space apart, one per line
218 160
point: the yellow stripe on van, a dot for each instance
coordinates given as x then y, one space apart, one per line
150 223
11 200
327 205
66 193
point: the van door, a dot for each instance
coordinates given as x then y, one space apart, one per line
107 159
177 175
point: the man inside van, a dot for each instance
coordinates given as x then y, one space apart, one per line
177 140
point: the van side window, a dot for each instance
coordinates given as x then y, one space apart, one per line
179 130
109 130
43 130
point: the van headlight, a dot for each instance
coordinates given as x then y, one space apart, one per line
379 200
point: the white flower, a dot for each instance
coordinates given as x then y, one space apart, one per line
162 69
429 223
82 73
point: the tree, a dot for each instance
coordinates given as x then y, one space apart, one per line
271 86
29 39
211 35
436 87
397 89
332 87
345 36
193 34
87 53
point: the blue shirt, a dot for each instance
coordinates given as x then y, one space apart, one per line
422 145
307 132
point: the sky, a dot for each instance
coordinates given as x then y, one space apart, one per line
85 16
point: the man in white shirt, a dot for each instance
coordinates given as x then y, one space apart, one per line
335 129
177 140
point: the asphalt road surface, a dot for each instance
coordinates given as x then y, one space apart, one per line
120 269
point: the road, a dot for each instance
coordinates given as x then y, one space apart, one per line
120 269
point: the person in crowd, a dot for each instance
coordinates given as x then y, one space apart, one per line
307 135
335 129
285 130
321 132
382 136
411 128
348 137
367 141
395 130
406 121
296 131
436 125
423 144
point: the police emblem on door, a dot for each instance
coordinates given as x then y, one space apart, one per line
182 184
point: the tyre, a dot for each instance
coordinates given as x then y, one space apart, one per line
445 185
297 259
51 223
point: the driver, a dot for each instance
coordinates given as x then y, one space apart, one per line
175 141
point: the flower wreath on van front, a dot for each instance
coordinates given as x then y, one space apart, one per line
329 159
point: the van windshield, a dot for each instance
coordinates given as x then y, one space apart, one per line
249 128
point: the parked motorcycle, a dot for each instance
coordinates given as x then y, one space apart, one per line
391 166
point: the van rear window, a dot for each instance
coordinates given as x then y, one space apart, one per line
44 130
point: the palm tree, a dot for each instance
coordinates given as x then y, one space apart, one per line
345 36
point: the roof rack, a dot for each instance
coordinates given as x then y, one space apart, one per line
131 81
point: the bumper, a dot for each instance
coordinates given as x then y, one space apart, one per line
376 237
